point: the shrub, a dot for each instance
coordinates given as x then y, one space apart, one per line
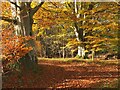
13 48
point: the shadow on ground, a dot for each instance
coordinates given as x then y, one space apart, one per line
64 75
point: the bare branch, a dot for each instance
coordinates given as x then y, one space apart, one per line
8 19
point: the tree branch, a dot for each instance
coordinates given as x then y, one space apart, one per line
14 4
51 10
28 4
34 10
8 19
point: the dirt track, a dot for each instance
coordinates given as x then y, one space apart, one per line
56 74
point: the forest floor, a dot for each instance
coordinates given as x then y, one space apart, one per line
69 74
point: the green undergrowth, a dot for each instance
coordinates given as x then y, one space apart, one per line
89 61
112 84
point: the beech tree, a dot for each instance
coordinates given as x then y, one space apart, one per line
22 18
88 20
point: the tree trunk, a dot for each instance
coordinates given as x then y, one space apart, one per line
72 54
23 20
24 17
79 36
26 24
93 53
63 52
79 33
118 53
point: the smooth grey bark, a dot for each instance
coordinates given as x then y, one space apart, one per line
63 52
26 17
24 28
23 21
79 31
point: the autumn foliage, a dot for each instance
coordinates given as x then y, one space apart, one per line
13 47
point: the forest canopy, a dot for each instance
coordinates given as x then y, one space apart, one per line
61 30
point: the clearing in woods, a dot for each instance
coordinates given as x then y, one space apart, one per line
67 74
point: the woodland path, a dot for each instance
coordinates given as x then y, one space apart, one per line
59 74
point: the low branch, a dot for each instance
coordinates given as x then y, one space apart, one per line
54 4
51 10
14 4
34 10
8 19
28 4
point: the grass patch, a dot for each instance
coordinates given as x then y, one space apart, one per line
108 62
60 59
89 61
112 84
